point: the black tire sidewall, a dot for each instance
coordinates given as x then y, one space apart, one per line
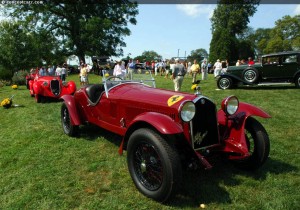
72 131
171 173
220 86
261 145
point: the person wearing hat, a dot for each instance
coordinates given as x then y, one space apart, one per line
217 68
178 73
118 70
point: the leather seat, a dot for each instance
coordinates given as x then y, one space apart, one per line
94 92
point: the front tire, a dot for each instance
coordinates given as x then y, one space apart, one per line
224 83
69 129
154 164
38 98
258 145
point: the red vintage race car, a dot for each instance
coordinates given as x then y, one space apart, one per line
43 87
165 131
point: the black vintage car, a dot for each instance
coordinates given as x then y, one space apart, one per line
275 68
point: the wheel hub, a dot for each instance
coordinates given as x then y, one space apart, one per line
143 166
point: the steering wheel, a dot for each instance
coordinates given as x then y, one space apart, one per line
113 77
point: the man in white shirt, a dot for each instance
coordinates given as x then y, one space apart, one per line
217 68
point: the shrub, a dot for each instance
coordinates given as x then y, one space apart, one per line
4 73
5 83
19 77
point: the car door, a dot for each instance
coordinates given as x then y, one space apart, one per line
290 64
273 67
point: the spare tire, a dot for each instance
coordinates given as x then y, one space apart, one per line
250 75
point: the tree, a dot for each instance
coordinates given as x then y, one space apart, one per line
21 49
148 56
198 54
259 38
90 27
285 35
229 20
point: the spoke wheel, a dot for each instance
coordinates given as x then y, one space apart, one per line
67 126
224 83
153 164
250 75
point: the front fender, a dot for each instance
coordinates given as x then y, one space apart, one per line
234 139
248 109
71 105
163 123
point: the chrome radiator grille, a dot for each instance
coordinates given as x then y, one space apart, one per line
204 126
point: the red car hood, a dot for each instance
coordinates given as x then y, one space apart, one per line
47 78
139 93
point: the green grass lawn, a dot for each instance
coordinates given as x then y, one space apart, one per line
42 168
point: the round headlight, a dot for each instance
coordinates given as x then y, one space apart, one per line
230 105
188 111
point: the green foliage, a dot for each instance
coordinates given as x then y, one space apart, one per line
229 20
285 35
42 168
81 27
198 54
148 56
223 46
19 77
5 73
21 48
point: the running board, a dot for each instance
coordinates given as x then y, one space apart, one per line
278 83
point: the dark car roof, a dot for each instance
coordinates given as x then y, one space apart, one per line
282 53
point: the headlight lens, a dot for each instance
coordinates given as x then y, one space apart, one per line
230 105
188 111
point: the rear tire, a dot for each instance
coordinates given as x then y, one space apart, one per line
68 128
154 164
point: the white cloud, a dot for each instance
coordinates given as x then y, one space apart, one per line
195 10
297 10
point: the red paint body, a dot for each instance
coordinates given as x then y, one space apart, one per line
128 106
50 86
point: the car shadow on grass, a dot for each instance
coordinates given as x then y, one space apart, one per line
209 186
271 87
201 186
92 132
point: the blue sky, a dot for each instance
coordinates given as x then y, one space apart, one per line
165 28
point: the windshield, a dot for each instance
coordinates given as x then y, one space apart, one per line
143 76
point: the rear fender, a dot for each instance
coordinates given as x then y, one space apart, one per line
71 105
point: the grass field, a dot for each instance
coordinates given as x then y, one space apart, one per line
42 168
